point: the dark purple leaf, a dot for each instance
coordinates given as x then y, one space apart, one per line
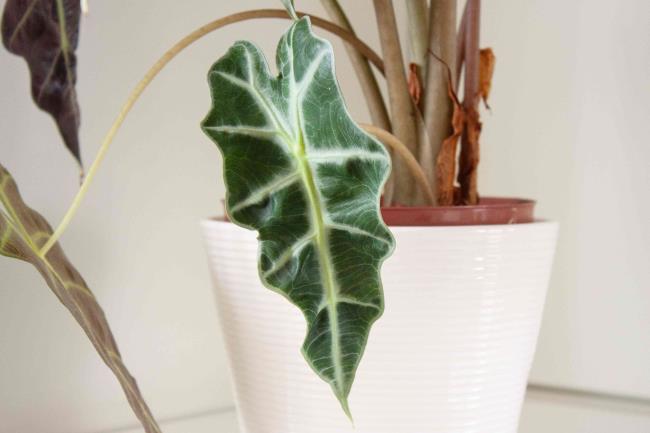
33 30
23 233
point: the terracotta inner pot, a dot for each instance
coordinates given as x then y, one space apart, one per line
490 210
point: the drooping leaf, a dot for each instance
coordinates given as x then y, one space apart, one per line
308 179
23 231
45 33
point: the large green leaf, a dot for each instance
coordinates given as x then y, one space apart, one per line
23 231
308 179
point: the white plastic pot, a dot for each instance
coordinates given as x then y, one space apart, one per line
451 353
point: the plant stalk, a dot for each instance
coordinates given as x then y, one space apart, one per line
371 91
367 80
402 108
161 63
460 48
438 106
399 148
469 151
418 18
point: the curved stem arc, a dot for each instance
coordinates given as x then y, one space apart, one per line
197 34
406 155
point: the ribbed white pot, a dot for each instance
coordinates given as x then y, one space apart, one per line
451 353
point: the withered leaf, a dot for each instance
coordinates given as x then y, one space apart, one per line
414 85
23 232
469 158
45 33
446 159
487 61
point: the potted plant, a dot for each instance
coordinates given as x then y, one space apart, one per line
447 342
465 286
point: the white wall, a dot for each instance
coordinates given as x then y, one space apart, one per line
571 124
569 127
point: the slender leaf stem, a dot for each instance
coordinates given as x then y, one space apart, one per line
407 157
367 80
65 42
418 16
197 34
460 48
374 99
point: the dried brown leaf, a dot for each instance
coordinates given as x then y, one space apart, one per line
487 61
446 159
415 87
23 231
469 158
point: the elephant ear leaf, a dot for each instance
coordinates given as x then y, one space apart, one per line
23 232
45 33
308 179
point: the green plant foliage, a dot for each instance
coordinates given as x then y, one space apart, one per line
45 33
23 231
291 8
308 179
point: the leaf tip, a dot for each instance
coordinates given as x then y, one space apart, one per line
291 9
346 408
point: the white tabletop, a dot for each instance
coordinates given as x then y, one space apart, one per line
542 413
212 422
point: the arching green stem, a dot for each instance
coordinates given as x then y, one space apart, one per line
197 34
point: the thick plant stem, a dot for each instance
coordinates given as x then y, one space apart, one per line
401 107
438 106
460 48
400 149
161 63
418 18
469 151
418 12
367 80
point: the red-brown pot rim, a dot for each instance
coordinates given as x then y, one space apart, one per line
489 211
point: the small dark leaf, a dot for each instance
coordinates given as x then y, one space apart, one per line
33 30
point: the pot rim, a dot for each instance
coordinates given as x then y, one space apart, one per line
221 221
489 211
489 202
493 212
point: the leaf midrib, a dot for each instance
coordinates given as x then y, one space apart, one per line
322 245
